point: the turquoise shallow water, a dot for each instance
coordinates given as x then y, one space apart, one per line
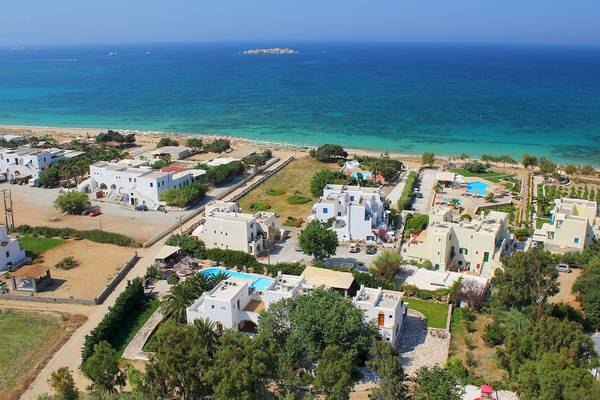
448 99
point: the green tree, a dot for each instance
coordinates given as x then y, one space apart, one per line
387 265
190 246
217 146
243 367
490 196
208 332
303 326
324 177
179 365
587 290
546 166
333 375
62 383
184 196
416 223
570 169
427 158
437 383
329 153
318 240
102 368
386 364
588 170
258 159
179 297
529 161
526 282
72 202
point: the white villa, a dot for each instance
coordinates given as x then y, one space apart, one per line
226 227
358 212
11 253
25 161
574 224
174 152
134 185
474 246
235 303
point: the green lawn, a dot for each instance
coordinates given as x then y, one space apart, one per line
132 325
490 176
35 246
26 337
436 313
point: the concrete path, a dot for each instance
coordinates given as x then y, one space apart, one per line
422 205
394 195
134 350
70 354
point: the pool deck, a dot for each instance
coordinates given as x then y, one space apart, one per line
470 204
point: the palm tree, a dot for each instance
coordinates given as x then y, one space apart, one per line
214 279
455 202
179 298
207 331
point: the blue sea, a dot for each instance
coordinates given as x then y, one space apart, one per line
410 98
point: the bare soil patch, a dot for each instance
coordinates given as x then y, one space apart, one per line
565 283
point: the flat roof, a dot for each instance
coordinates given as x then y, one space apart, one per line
166 251
327 277
228 288
31 271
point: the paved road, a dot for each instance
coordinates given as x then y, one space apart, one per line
394 195
422 205
69 354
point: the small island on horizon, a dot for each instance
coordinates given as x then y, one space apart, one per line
273 50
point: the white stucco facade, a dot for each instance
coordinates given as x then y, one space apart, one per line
226 227
11 253
358 213
134 186
474 246
234 303
573 225
25 161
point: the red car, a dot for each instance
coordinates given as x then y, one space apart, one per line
95 212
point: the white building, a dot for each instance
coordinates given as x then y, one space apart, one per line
384 308
174 152
134 186
475 245
235 304
226 227
574 224
358 213
25 161
11 253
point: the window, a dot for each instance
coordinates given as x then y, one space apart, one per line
576 240
339 213
7 254
351 198
151 184
212 306
325 211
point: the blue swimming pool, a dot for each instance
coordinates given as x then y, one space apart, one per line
477 187
365 175
258 282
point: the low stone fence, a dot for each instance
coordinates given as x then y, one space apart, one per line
72 300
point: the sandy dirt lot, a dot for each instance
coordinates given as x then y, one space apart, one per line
565 282
97 264
33 206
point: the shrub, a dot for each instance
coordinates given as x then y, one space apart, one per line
466 217
115 136
131 297
275 192
415 223
66 263
493 334
217 146
476 167
407 192
184 196
297 199
221 173
72 202
190 246
167 142
232 258
173 279
259 206
258 159
288 268
293 221
95 235
322 178
328 153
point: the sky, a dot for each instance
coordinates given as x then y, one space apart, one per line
42 22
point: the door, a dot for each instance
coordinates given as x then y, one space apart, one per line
380 319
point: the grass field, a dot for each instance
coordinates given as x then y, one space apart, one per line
26 338
436 313
293 180
35 246
490 176
132 325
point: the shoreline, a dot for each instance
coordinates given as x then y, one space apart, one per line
80 132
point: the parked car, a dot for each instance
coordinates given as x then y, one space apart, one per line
564 268
360 267
419 195
371 249
141 207
298 248
88 210
95 212
354 248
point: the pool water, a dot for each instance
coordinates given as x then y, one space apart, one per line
258 282
365 175
477 187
